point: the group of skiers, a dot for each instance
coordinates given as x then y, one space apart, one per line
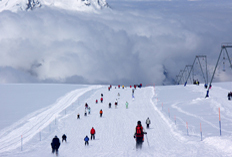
139 130
92 133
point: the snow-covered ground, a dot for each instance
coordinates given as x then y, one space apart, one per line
43 111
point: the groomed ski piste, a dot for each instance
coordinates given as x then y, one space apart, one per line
176 113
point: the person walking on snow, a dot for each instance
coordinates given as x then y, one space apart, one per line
127 104
92 132
116 103
89 109
139 135
64 138
101 112
86 139
55 145
148 122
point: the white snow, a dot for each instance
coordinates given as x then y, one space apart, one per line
29 132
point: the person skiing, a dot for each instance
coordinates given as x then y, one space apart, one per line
101 112
86 105
101 95
148 122
139 135
78 116
116 103
86 139
96 101
55 145
64 138
89 110
92 132
101 99
109 105
127 104
85 113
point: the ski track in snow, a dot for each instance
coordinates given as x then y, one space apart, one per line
114 131
33 125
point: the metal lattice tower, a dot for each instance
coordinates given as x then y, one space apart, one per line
223 47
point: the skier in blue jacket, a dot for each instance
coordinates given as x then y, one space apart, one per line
86 139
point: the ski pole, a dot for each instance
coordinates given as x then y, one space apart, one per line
147 141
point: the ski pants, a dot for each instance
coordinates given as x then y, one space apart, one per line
139 142
92 136
86 142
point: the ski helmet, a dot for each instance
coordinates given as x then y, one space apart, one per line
139 122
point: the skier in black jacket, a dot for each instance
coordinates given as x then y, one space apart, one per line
55 145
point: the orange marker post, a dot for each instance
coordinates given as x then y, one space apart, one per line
220 122
175 119
201 131
21 142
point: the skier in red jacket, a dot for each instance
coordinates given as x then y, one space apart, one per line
92 132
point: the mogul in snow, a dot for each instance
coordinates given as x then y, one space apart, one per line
139 135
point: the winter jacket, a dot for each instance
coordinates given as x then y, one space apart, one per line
55 142
139 131
92 131
101 112
148 121
86 139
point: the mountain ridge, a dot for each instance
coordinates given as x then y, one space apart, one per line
78 5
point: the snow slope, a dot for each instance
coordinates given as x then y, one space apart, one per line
114 131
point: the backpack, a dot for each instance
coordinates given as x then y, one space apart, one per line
139 131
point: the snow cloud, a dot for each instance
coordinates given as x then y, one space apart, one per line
133 42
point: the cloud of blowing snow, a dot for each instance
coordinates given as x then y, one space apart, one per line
135 42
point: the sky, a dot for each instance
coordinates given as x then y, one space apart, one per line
129 43
180 126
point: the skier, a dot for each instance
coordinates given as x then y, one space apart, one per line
92 132
127 104
101 99
78 116
86 139
86 105
96 101
101 112
148 122
101 95
109 105
55 145
85 113
89 109
139 135
116 103
64 137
